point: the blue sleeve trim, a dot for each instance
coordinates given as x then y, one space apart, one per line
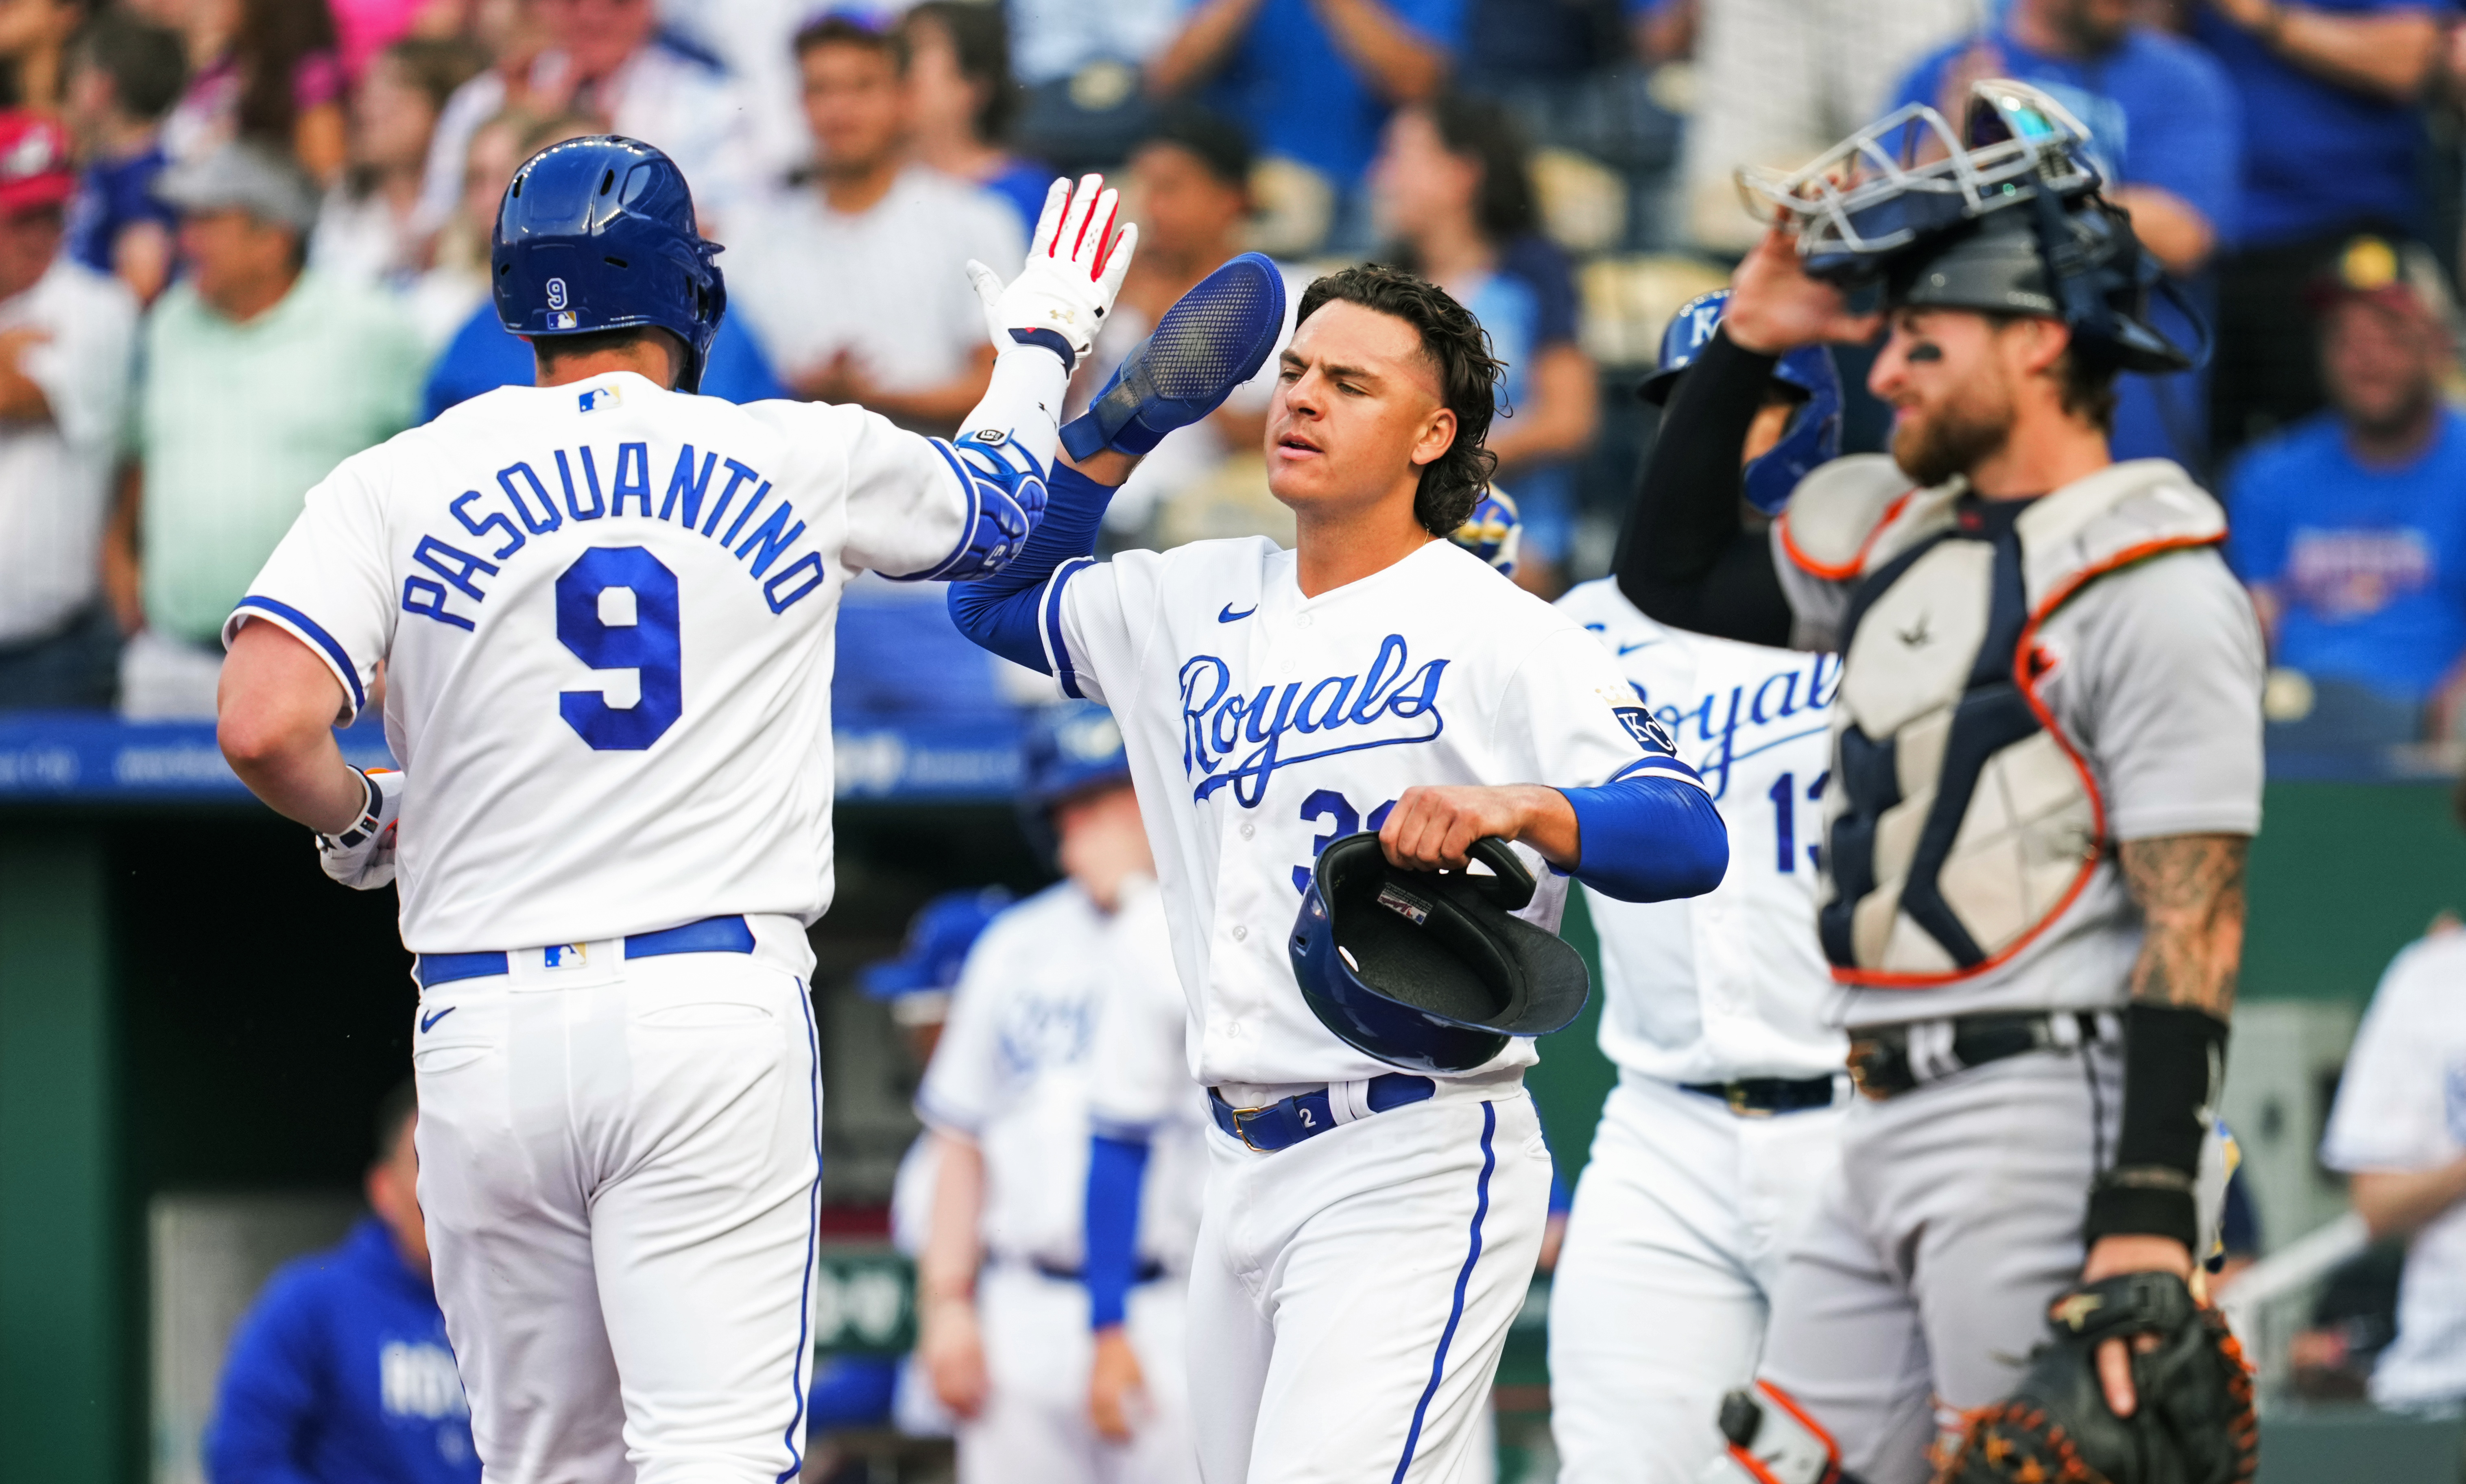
1057 650
1116 1167
313 631
967 524
1660 764
1650 837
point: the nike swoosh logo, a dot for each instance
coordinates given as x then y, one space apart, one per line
426 1021
1228 616
1629 648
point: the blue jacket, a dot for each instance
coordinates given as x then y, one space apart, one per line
340 1374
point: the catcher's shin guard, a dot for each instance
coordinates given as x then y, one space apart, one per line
1773 1441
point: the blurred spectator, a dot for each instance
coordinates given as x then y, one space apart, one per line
1189 191
266 71
33 50
341 1372
66 334
1779 81
259 378
456 279
365 28
2351 527
2162 118
756 41
1082 63
858 287
609 58
124 75
368 231
1451 186
483 355
1520 47
2398 1129
2333 145
1313 80
961 100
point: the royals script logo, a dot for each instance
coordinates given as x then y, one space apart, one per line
1241 739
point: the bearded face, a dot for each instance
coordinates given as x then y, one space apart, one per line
1968 425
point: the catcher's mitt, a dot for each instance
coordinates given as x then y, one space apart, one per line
2193 1423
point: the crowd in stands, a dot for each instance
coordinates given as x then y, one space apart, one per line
241 239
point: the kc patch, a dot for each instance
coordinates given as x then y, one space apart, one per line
1647 730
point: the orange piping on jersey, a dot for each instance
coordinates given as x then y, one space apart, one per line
1857 563
1878 979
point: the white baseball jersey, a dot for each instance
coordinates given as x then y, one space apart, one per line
606 612
2402 1106
1732 984
1013 1070
1263 725
1138 1076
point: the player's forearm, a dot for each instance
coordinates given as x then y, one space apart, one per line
2190 891
1199 49
275 713
1648 839
2400 1203
1019 401
946 1271
1001 613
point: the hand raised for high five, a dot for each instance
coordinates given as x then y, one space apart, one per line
1075 265
1775 306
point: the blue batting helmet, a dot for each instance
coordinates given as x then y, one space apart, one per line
1425 970
938 939
1814 434
598 233
1493 530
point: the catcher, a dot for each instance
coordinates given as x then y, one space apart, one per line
2046 772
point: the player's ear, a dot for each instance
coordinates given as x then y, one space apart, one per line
1438 436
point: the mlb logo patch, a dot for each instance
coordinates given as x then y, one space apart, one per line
562 319
564 955
1646 729
600 399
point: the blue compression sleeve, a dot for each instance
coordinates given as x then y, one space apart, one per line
1000 613
1116 1168
1648 839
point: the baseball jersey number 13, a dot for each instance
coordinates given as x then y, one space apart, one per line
617 610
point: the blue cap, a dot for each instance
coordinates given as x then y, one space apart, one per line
938 939
1072 749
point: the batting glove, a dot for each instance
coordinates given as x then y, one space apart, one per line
361 856
1075 265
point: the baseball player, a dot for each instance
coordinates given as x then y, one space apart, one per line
1726 1116
1369 1233
2045 773
604 606
1005 1292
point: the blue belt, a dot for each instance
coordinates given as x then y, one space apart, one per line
710 934
1280 1125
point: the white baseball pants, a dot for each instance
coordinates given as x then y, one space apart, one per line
1038 1350
1351 1295
1657 1307
620 1167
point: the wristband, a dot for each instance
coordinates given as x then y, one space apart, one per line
371 810
2174 1060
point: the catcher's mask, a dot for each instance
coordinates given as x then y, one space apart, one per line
1428 970
2004 214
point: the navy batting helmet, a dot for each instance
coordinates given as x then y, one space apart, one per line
1425 970
1072 749
1814 434
596 234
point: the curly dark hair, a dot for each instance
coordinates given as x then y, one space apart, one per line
1456 343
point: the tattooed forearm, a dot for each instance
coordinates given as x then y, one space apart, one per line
2190 891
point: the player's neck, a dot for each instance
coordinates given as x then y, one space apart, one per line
651 361
1335 547
2044 452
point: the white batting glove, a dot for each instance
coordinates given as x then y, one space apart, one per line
361 856
1075 265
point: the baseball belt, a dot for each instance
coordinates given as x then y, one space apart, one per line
1887 1061
1287 1121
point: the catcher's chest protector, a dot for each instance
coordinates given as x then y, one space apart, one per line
1958 821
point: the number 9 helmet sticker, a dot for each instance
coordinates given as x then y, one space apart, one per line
557 293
